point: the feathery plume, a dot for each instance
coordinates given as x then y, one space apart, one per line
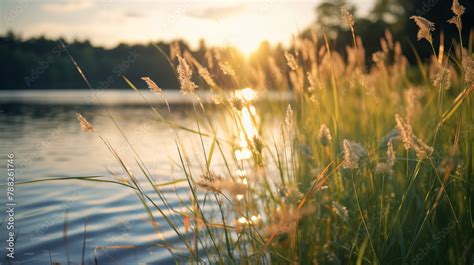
204 73
227 69
237 103
289 117
284 218
312 80
293 195
233 187
275 70
347 17
393 134
152 85
458 10
412 102
425 27
443 79
378 57
387 167
324 135
468 67
353 154
208 180
85 125
410 140
340 210
185 73
291 60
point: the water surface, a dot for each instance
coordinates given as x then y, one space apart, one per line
41 129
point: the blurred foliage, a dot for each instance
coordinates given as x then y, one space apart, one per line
41 63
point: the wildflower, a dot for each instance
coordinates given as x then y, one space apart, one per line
458 10
353 154
185 73
291 60
293 195
324 135
425 28
340 210
347 17
443 79
388 165
152 85
85 125
410 140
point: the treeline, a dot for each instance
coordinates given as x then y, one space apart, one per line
42 63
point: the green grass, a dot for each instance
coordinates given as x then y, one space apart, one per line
289 197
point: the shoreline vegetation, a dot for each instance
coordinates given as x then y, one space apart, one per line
365 167
41 63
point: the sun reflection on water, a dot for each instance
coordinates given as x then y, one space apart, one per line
248 117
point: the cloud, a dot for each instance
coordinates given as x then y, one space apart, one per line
216 12
66 6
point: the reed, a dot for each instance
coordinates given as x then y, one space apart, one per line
365 166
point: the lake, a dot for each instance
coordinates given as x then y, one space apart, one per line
41 129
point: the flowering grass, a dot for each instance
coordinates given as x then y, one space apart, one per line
365 166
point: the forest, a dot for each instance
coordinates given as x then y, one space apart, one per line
42 63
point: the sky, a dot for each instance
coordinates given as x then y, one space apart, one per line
240 23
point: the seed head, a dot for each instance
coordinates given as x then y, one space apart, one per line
324 135
457 8
152 85
340 210
85 125
347 17
289 117
185 73
227 69
425 27
387 167
353 154
443 79
291 60
468 67
410 140
293 195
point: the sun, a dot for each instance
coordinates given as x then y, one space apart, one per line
245 33
247 45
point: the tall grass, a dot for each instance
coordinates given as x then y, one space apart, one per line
363 166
